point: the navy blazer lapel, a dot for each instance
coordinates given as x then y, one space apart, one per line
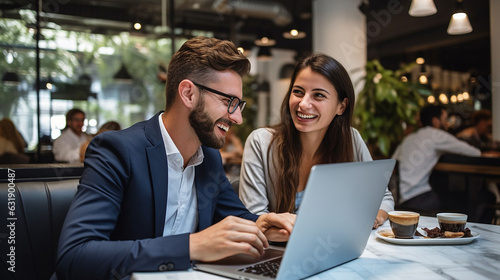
204 202
204 195
158 171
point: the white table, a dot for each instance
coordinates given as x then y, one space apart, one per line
381 260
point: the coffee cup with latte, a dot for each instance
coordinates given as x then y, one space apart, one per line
454 222
404 223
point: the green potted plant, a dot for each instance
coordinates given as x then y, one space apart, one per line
386 106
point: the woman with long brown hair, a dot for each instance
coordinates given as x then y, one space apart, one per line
9 131
315 128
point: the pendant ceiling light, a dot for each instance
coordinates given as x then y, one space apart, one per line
265 41
123 76
264 54
10 79
459 23
294 33
422 8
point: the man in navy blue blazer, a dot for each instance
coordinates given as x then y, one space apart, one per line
154 197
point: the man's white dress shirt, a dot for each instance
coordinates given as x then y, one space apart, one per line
66 147
182 207
419 152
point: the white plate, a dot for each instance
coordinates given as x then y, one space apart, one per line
420 240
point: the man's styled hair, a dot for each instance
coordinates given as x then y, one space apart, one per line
429 112
198 59
71 113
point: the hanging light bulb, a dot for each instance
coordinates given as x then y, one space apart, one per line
294 34
453 99
443 98
422 8
431 99
423 77
265 41
137 26
459 23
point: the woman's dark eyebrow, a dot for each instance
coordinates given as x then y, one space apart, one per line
316 89
320 89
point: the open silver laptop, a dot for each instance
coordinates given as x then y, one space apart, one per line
335 218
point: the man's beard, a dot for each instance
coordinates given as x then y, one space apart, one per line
204 127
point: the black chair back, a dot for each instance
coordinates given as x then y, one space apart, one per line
34 211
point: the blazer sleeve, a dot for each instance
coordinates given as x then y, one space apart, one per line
86 250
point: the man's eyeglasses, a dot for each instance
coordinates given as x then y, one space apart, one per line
233 103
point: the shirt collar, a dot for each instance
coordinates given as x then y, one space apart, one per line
171 149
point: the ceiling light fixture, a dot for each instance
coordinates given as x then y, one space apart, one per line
46 83
431 99
123 76
422 8
265 41
423 79
137 25
264 54
459 23
443 98
10 79
294 33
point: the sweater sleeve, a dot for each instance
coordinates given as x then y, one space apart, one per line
253 188
361 153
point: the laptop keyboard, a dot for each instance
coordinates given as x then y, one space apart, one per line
267 269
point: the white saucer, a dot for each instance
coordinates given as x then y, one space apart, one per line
385 234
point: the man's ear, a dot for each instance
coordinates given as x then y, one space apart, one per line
188 94
342 106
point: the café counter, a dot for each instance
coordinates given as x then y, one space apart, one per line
479 259
462 183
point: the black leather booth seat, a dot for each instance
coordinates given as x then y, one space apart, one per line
41 197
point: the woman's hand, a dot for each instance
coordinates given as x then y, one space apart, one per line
380 219
276 227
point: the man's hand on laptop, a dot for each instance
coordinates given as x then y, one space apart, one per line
228 237
276 227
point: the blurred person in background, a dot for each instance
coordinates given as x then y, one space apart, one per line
111 125
12 143
67 146
231 154
418 154
479 134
